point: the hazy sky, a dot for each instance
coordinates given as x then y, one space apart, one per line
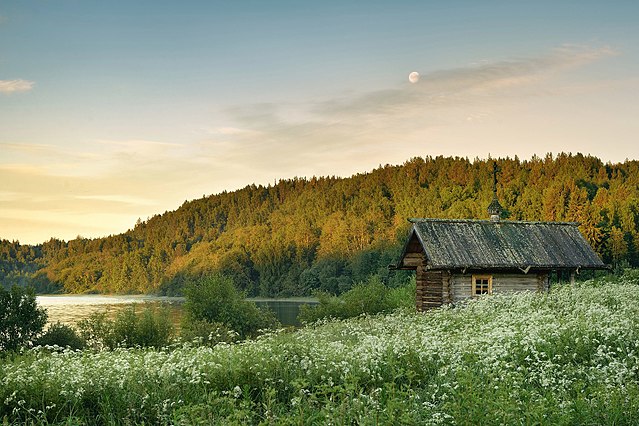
116 110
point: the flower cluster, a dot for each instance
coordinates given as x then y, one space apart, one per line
520 358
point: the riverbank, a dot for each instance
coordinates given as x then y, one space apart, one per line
71 308
567 357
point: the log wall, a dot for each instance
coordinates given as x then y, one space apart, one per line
460 287
543 282
508 283
435 288
461 284
429 289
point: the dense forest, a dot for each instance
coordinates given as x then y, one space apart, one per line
328 233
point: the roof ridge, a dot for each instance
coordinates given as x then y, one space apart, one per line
501 222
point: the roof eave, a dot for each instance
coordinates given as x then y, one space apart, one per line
400 262
520 267
413 230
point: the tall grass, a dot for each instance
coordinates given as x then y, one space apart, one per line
370 297
567 357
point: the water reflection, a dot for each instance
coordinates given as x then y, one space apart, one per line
286 310
69 309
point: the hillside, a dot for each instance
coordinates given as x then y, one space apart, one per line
327 233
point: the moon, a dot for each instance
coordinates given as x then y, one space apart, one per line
413 77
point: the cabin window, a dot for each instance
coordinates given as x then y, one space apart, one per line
482 284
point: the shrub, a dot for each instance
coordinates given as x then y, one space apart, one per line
96 330
61 335
215 299
206 333
370 297
21 319
151 328
630 276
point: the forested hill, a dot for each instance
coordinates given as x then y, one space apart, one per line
329 233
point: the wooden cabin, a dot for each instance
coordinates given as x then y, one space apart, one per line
460 259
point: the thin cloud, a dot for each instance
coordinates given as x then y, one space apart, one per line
391 120
7 196
30 148
444 87
119 198
400 106
435 90
140 150
232 131
134 144
15 86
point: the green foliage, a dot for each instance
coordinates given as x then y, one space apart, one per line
371 297
568 357
153 328
21 319
61 335
214 299
402 296
328 275
201 332
150 328
97 330
630 275
302 235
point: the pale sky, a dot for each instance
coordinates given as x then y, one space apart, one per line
112 111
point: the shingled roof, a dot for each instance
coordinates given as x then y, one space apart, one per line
481 244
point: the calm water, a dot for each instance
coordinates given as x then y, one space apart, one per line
286 310
69 309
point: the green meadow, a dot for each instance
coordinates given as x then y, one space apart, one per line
567 357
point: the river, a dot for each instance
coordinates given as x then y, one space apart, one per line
69 309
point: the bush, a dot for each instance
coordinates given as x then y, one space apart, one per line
21 319
214 299
206 333
370 297
402 296
96 330
630 275
61 335
151 328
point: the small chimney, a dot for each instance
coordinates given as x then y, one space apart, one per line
494 208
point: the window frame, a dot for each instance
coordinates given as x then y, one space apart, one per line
481 277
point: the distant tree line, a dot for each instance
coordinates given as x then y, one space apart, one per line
328 234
